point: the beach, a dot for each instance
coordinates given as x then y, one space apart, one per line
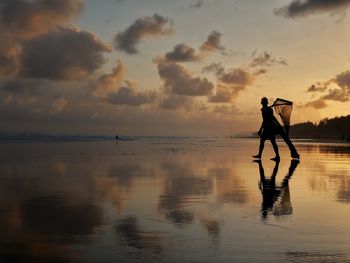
173 200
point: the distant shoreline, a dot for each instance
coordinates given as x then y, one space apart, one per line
47 138
57 138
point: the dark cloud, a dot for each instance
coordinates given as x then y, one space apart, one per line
236 76
217 68
336 89
343 80
298 8
22 20
318 87
265 59
317 104
197 4
180 81
341 93
143 27
260 62
128 96
65 53
182 53
23 87
212 43
31 18
232 76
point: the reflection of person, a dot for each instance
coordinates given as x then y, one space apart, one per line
269 128
275 198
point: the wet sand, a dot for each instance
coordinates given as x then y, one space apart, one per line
197 200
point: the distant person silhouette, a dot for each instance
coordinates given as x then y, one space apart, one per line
275 198
270 127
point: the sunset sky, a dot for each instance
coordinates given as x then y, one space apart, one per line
162 67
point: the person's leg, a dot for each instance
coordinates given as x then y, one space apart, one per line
261 147
293 151
275 148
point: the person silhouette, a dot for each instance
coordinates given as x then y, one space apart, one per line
275 198
270 127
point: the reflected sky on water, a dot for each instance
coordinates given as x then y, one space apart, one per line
173 201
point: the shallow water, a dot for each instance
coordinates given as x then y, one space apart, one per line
173 201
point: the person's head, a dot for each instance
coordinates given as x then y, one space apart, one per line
264 101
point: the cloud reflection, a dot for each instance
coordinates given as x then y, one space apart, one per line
129 233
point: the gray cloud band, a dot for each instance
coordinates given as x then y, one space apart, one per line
298 8
340 93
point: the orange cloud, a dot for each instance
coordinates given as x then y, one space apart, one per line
109 82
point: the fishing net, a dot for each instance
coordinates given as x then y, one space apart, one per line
284 109
283 206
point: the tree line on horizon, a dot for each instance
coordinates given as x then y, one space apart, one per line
334 128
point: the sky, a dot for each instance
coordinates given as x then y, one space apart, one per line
175 68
